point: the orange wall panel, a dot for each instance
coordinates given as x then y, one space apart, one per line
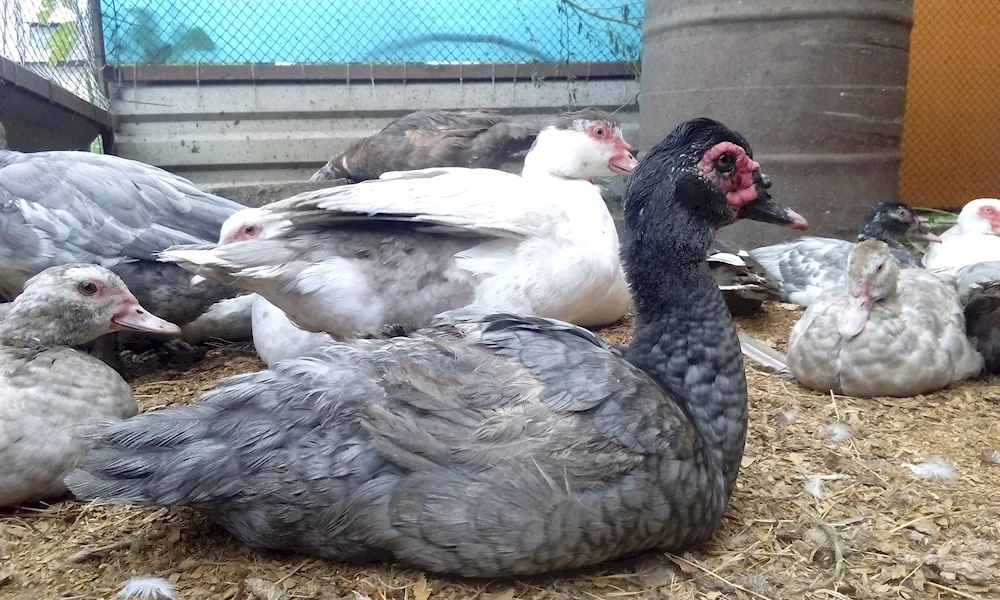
951 131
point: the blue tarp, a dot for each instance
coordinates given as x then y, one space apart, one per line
338 31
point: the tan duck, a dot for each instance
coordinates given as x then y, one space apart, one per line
890 333
48 390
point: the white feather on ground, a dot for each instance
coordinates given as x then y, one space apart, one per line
935 468
790 416
839 432
764 355
814 487
145 587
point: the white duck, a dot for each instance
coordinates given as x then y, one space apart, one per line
47 389
975 238
353 260
891 333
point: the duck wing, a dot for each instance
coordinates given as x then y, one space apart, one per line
974 276
805 267
744 281
483 445
485 201
63 207
982 321
109 206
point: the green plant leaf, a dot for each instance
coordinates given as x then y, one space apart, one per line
195 39
61 42
45 11
46 8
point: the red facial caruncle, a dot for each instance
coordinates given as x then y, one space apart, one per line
992 215
732 172
622 161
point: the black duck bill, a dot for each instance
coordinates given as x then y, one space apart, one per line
919 230
766 210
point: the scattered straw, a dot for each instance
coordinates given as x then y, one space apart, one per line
883 533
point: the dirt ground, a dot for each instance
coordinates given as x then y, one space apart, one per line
813 516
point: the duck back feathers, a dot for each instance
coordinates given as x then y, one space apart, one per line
433 138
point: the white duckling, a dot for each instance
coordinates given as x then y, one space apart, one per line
48 390
891 334
975 238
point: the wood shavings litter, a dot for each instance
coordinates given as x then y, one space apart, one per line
898 536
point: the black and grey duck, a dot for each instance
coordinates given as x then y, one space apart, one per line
487 444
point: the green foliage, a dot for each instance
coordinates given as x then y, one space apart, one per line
64 38
627 52
61 42
158 47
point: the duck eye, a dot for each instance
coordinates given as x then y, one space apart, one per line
879 269
725 162
250 229
87 288
600 132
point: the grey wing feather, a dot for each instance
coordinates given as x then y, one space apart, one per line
744 281
109 206
764 355
432 138
809 263
976 275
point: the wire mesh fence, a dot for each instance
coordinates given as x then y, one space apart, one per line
55 40
140 32
951 132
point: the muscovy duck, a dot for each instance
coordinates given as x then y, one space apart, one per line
975 238
488 444
50 392
353 260
886 333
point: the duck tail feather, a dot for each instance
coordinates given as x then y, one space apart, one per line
161 458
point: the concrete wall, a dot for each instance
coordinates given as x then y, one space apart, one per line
40 115
230 133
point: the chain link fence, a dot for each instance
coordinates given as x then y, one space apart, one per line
142 32
54 39
951 133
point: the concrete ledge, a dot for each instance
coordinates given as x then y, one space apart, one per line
258 195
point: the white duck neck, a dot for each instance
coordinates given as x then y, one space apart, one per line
556 153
